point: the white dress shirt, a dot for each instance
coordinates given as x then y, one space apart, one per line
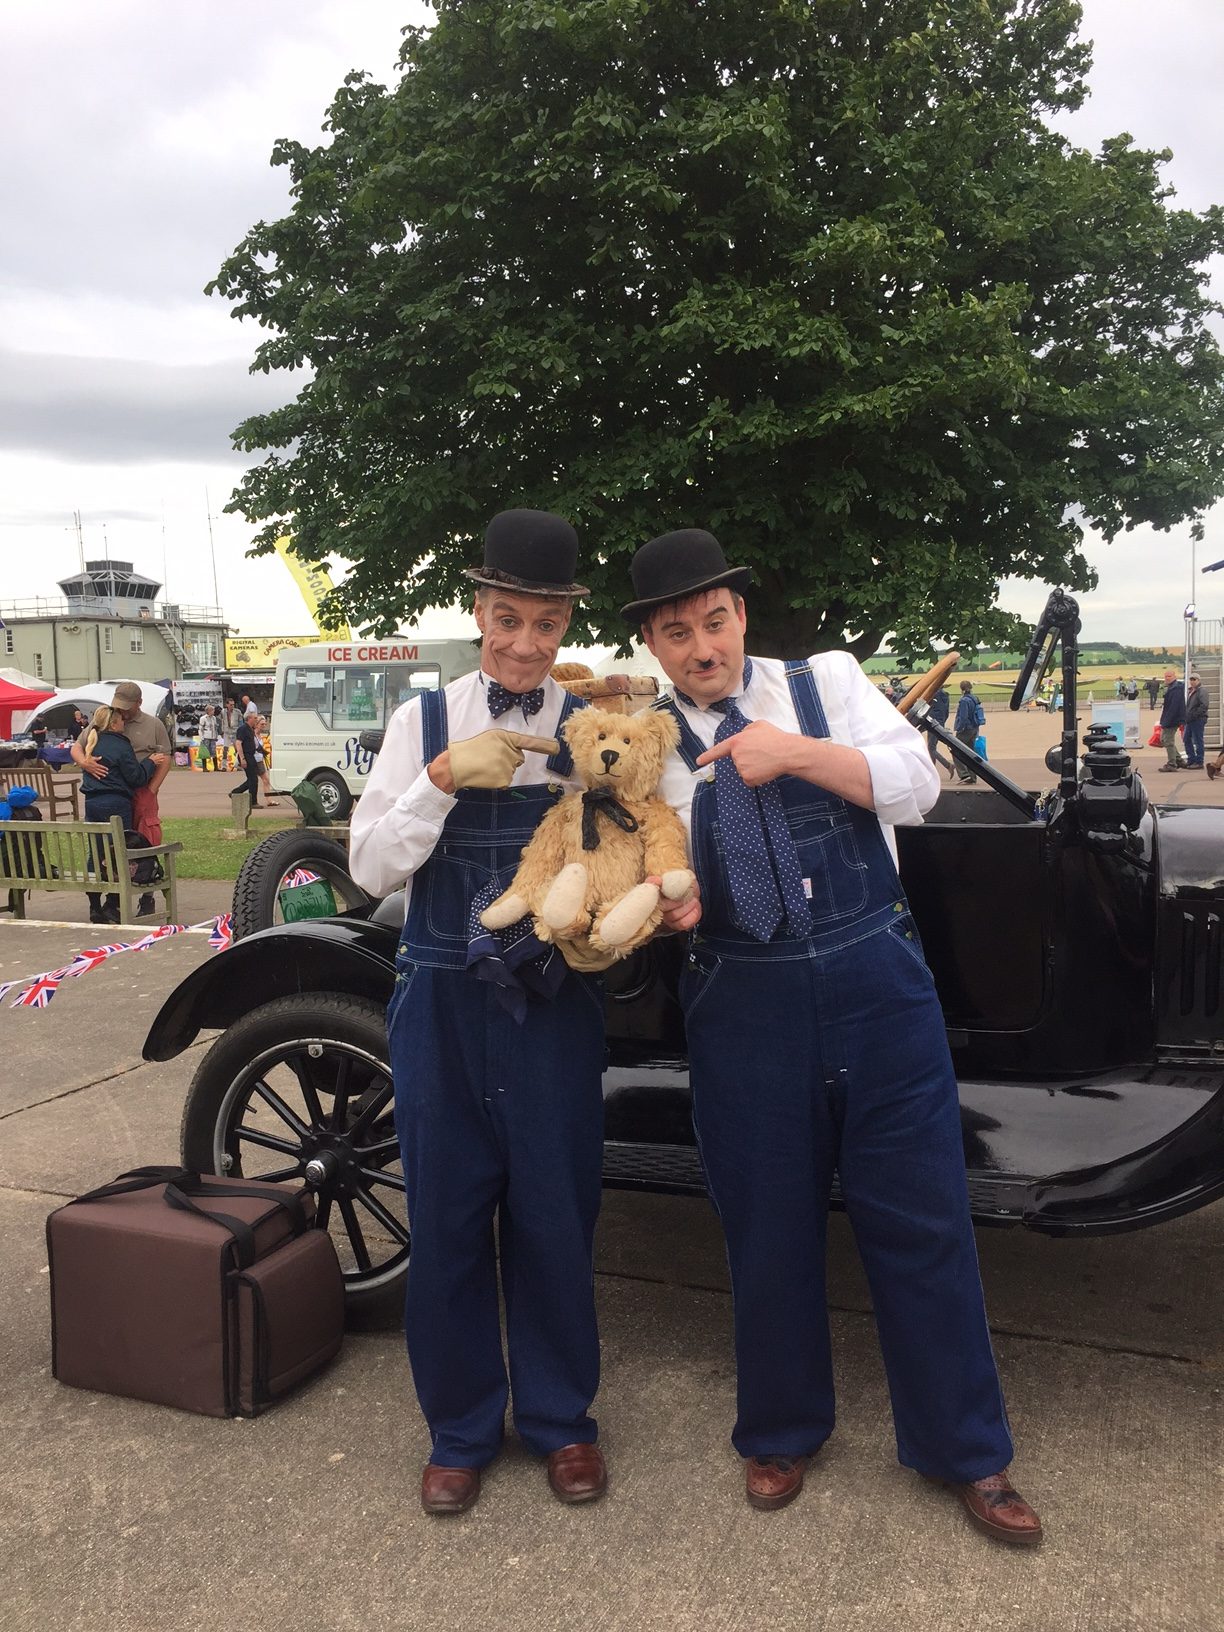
904 782
399 817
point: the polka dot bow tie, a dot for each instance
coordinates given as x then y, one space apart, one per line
501 701
762 863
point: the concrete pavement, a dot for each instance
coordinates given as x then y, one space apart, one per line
133 1518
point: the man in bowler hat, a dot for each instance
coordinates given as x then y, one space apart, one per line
497 1048
789 779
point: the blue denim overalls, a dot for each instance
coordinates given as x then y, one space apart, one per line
822 1054
495 1117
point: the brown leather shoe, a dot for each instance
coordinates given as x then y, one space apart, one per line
449 1490
577 1473
1000 1511
773 1481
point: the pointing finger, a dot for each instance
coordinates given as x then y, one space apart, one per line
720 750
534 745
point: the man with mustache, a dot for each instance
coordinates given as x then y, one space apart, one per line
816 1041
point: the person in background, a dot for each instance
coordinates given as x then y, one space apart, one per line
1172 718
1196 722
1152 687
248 762
79 724
148 738
112 793
939 708
249 707
259 729
209 731
970 718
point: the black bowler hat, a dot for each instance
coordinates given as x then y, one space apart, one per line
679 564
531 552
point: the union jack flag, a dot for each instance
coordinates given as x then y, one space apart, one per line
39 992
222 933
299 876
155 935
85 961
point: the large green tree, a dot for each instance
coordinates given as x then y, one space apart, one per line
815 274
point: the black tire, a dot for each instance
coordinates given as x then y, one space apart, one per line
307 1077
333 791
256 905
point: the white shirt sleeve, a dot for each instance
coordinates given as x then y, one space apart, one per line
400 815
904 782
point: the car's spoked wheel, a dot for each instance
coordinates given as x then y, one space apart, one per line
320 1109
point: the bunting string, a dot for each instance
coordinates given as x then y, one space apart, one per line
36 991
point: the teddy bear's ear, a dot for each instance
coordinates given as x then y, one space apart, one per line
663 727
654 735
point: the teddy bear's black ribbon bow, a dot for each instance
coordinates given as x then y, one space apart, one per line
602 801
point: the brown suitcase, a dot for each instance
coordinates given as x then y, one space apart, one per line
213 1295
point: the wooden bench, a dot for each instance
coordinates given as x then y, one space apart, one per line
82 857
58 793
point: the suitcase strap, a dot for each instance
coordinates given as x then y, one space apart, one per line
181 1183
242 1234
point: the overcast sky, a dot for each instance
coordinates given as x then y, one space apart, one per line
138 136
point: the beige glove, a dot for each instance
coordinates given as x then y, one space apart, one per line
491 759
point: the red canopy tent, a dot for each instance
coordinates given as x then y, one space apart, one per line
19 699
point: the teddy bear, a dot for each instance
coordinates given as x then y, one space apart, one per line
585 876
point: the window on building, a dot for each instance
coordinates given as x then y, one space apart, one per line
108 640
9 644
135 640
202 650
38 668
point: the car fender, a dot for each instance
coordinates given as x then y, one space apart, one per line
353 955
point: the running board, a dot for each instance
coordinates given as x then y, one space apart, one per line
676 1170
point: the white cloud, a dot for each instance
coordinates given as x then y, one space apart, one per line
137 160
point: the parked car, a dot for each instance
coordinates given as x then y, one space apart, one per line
1075 936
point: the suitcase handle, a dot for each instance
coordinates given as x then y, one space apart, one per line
191 1183
243 1235
180 1182
142 1178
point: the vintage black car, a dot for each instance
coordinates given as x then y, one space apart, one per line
1075 937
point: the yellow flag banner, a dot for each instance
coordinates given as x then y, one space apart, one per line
314 584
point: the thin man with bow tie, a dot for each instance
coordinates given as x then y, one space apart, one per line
816 1041
496 1050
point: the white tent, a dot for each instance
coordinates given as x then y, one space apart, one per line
640 661
18 677
87 698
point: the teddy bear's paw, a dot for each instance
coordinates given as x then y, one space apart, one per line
503 912
627 917
564 908
677 883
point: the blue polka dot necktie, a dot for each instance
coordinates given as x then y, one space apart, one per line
763 869
501 701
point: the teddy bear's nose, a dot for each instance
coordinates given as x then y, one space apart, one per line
609 757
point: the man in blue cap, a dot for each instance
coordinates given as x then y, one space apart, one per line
788 778
497 1050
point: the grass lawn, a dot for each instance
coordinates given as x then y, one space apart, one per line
205 853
